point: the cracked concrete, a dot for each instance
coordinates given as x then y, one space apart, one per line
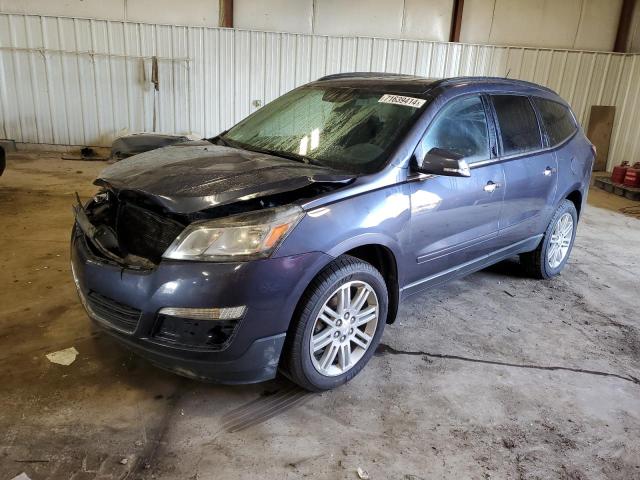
384 349
493 376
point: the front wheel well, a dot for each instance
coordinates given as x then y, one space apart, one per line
383 259
575 197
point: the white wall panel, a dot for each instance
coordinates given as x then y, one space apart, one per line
81 82
274 15
414 19
633 43
598 24
186 12
105 9
577 24
427 19
359 17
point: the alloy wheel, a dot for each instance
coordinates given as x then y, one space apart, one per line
560 241
344 329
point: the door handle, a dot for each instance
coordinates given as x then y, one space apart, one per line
548 171
490 187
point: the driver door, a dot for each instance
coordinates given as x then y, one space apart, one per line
454 220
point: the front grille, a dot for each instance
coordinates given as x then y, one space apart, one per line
144 233
117 314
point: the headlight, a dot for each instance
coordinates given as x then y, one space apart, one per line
239 237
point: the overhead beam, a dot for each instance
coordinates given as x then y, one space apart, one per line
226 13
624 26
456 21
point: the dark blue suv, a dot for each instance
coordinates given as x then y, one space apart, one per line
287 242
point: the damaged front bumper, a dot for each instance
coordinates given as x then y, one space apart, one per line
127 303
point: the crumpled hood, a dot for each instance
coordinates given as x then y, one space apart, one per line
188 178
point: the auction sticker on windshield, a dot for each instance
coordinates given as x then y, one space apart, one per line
401 100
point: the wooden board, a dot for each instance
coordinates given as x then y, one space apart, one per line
599 133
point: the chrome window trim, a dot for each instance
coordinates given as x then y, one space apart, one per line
518 156
419 177
416 176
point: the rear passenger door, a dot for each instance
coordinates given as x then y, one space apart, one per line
560 128
530 169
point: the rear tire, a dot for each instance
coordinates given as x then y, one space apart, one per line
343 310
554 249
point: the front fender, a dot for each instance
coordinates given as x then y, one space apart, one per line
377 217
366 239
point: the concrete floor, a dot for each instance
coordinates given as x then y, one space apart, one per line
494 376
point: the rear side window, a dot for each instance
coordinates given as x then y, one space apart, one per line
518 124
460 128
557 119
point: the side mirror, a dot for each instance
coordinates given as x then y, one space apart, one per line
443 162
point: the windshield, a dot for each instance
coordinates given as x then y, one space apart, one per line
344 128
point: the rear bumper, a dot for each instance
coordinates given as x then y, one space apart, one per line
269 288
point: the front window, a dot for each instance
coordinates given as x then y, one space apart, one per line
460 128
344 128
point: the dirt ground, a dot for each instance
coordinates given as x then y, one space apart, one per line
494 376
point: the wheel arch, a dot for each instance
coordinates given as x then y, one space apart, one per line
384 260
377 250
382 252
575 197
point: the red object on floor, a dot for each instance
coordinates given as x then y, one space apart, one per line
619 172
632 177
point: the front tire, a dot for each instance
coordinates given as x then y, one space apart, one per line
338 325
552 254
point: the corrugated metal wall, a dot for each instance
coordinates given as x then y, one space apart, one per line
80 82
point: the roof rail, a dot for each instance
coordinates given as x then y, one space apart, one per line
503 80
335 76
433 83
